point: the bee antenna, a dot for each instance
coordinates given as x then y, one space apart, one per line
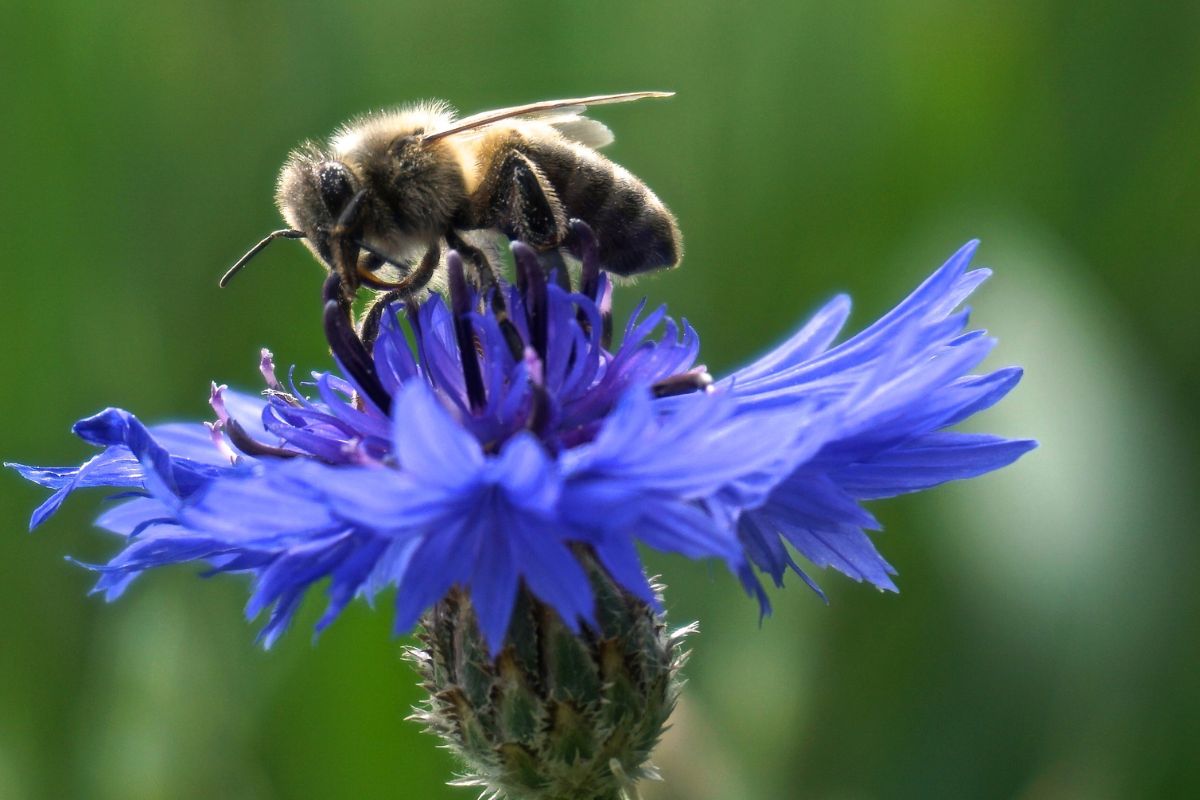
286 233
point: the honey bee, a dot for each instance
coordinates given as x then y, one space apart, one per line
376 204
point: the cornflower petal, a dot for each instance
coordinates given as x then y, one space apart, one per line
880 401
413 470
427 442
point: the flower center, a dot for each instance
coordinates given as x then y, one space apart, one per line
531 356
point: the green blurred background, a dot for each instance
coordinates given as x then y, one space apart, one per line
1045 643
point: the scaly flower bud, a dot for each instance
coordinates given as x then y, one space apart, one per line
556 715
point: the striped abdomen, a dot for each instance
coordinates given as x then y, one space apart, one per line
635 230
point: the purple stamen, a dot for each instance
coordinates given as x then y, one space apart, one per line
348 349
537 374
266 365
604 303
252 447
585 248
218 439
216 399
460 305
529 270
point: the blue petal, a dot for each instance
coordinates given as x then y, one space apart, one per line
264 510
437 564
393 358
115 467
620 558
246 410
115 426
494 583
808 342
880 399
384 500
551 570
674 527
191 441
133 514
427 442
530 479
693 453
821 521
135 457
929 461
848 550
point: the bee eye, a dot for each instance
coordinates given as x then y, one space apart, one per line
335 185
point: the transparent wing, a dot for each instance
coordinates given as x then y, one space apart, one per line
548 110
586 131
567 120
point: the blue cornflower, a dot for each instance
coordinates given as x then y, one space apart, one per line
502 436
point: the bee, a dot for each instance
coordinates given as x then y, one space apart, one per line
376 204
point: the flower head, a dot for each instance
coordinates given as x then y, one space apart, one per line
502 436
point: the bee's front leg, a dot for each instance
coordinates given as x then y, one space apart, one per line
406 290
415 277
344 247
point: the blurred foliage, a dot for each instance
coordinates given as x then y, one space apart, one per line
1045 642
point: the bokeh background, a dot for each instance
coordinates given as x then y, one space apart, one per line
1045 643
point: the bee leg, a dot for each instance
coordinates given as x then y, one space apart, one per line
481 267
406 290
524 204
487 280
368 328
526 208
345 247
413 281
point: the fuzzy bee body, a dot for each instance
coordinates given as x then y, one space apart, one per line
635 230
377 202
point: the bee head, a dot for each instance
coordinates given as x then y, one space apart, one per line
317 193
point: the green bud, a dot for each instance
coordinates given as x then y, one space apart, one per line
555 716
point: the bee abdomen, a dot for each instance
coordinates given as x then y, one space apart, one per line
635 230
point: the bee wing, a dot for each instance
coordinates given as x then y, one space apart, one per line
567 120
589 132
548 110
